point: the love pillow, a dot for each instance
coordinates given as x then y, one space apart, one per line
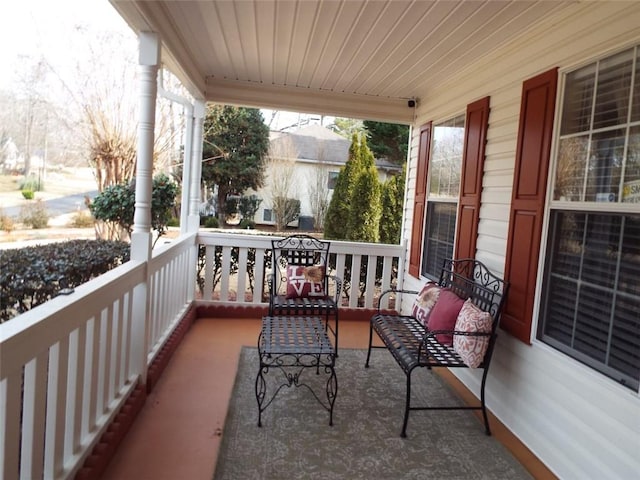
305 282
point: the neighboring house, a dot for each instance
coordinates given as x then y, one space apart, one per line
10 159
312 156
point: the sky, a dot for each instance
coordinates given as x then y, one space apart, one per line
42 27
34 28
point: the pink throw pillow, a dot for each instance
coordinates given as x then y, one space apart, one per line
305 282
444 314
425 301
472 319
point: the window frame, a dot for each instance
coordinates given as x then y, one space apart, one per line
431 199
332 178
556 208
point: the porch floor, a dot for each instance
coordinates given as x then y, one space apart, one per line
178 432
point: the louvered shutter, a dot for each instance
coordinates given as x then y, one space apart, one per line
419 200
528 200
475 138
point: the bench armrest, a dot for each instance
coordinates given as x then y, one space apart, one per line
395 291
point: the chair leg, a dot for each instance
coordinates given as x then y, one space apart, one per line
482 400
407 406
336 331
366 364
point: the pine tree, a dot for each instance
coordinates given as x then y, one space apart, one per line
335 225
364 211
392 200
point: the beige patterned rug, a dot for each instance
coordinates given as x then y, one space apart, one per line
296 442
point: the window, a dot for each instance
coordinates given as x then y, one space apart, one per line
331 182
442 197
591 292
267 215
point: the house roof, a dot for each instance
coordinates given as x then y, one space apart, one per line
355 58
316 143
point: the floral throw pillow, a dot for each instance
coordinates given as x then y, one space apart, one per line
425 301
472 319
305 282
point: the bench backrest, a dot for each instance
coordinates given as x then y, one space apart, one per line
469 278
300 251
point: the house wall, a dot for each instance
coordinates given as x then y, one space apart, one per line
578 422
305 175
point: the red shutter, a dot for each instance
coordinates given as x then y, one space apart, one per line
527 201
419 201
475 139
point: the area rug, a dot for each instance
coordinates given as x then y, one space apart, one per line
296 442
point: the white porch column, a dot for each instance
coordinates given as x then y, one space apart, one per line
196 166
187 168
149 60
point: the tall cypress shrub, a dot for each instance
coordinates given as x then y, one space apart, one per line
335 225
392 202
364 212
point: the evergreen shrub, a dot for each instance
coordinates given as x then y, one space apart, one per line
30 276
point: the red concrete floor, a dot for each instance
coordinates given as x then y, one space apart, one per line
178 432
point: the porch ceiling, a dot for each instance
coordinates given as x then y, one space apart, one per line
354 58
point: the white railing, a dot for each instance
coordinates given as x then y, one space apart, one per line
171 289
67 366
233 269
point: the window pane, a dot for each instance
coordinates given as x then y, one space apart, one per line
635 109
592 323
631 188
601 249
591 299
570 170
446 158
568 250
612 93
331 181
578 101
625 354
438 241
596 139
605 166
629 281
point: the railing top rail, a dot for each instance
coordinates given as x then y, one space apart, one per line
264 241
46 324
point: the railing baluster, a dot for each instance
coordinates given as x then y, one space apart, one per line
242 275
33 417
10 392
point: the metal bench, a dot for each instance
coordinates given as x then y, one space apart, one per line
413 346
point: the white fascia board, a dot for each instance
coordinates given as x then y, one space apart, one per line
306 100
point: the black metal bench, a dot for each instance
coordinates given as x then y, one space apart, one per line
413 345
300 283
